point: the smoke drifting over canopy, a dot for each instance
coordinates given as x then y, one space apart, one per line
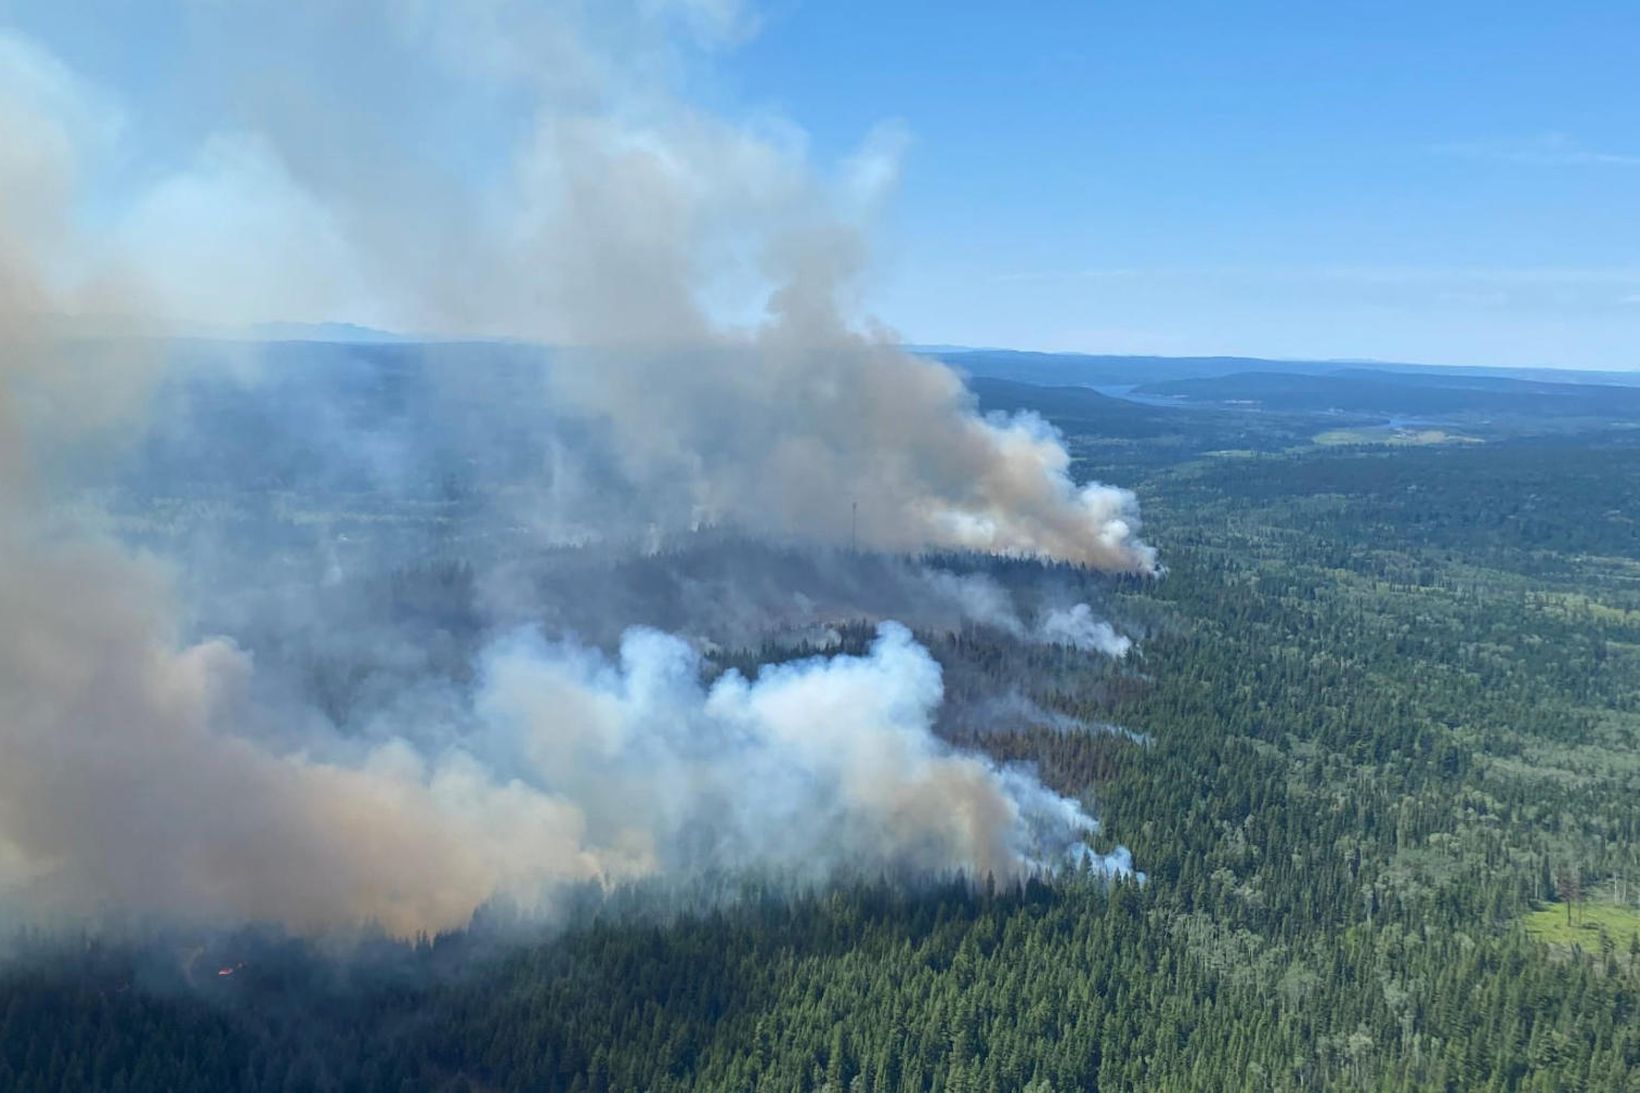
152 770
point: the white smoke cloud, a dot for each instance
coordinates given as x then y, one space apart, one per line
982 600
129 783
819 767
1077 626
1006 712
236 209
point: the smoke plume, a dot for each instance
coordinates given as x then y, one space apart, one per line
697 273
151 769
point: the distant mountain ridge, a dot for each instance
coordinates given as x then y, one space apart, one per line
1096 370
1360 390
338 333
1018 365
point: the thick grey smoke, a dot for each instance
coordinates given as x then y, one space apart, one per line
148 771
697 274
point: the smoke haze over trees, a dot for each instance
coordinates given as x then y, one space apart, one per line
155 770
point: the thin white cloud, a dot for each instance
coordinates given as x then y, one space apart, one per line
1359 274
1545 150
1083 274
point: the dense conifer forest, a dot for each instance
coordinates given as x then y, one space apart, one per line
1380 774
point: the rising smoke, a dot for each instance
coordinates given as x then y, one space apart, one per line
149 769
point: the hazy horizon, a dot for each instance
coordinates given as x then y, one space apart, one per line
1313 185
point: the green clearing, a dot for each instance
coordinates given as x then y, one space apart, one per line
1390 435
1588 922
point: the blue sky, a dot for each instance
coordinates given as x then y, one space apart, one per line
1450 181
